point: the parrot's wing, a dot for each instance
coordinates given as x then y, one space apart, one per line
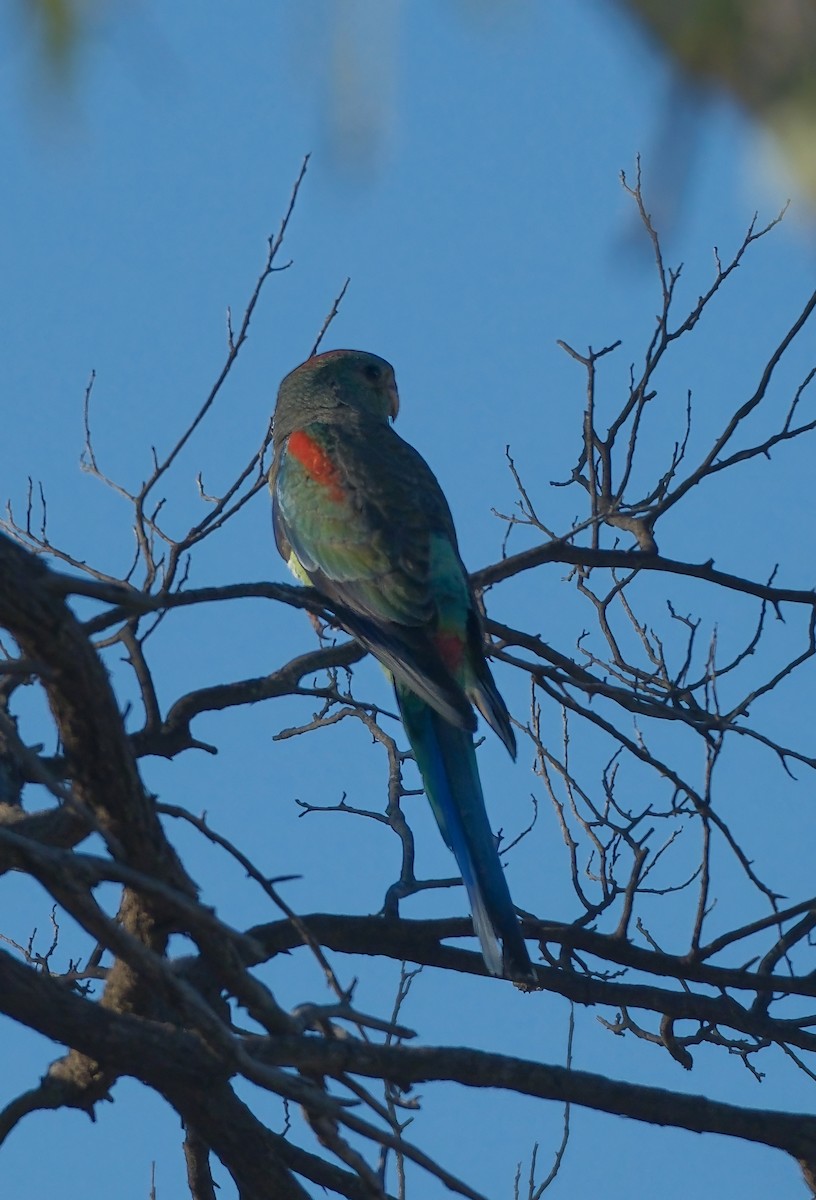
363 519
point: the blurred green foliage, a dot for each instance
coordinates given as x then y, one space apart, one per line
56 24
760 53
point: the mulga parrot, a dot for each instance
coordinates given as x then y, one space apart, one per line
359 514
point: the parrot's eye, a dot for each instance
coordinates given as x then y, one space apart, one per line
372 371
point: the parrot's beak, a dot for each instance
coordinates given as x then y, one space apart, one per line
393 396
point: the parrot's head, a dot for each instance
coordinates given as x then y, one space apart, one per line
336 380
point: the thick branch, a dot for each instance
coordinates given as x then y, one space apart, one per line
178 1066
565 552
420 942
794 1133
98 755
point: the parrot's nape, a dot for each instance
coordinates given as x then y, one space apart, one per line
359 514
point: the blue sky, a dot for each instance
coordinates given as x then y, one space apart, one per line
478 212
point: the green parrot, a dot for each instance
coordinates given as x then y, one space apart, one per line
359 514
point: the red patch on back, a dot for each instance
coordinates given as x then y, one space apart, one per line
316 462
451 650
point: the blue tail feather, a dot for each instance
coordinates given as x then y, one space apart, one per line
446 759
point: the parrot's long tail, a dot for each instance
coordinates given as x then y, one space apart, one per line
446 759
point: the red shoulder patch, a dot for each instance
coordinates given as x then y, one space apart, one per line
316 462
451 648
